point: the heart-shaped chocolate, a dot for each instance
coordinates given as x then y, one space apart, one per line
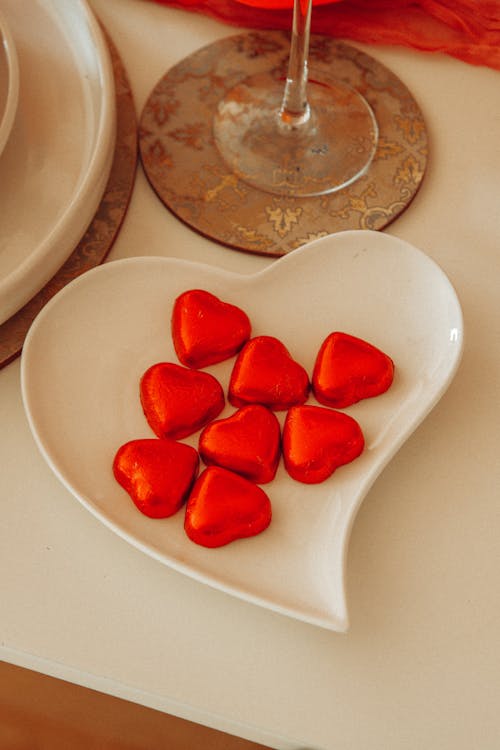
206 330
266 373
157 474
178 401
247 442
316 441
223 507
348 369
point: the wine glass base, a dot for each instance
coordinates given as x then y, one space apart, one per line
186 171
327 153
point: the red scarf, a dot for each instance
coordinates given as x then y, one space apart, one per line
466 29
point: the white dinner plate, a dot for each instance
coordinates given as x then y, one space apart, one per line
9 81
85 354
56 163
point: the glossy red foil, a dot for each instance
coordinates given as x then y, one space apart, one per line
157 474
178 401
348 369
206 330
317 440
266 373
248 442
223 507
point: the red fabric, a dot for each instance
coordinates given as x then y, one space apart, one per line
466 29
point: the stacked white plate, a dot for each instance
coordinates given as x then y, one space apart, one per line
57 120
9 82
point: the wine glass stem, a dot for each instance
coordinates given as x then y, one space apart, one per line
295 110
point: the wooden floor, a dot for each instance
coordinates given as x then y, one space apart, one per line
42 713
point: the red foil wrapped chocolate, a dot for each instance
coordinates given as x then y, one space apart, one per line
348 369
317 440
223 507
178 401
266 373
157 474
247 442
206 330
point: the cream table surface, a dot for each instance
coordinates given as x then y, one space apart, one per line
420 665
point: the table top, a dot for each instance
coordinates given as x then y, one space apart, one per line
420 664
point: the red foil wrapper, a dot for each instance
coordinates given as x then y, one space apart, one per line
178 401
265 373
247 442
348 369
157 474
206 330
316 441
223 507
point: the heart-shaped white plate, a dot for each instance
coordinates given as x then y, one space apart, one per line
86 351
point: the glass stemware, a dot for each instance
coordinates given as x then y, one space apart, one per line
299 135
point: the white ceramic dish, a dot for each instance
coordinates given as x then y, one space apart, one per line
56 163
9 81
88 348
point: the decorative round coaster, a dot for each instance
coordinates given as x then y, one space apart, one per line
102 232
185 169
